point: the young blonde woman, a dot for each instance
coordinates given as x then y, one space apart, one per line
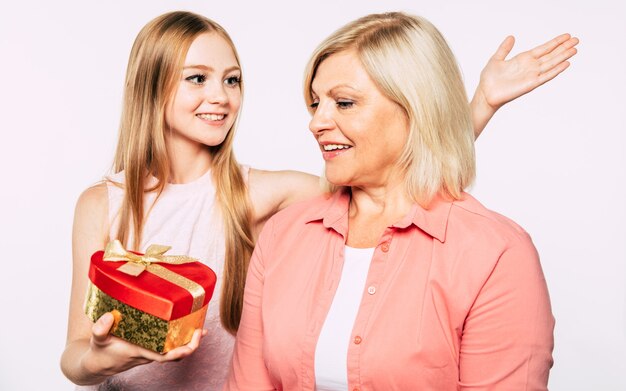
176 182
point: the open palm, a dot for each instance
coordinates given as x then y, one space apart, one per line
503 80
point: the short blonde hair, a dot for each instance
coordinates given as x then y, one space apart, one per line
411 63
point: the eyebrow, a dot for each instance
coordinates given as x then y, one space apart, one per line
338 86
210 69
343 85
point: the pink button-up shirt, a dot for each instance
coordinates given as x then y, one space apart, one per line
455 299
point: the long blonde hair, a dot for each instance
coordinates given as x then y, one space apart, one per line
154 68
411 64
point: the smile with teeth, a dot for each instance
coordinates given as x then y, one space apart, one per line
332 147
211 117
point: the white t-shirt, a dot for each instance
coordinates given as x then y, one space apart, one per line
331 352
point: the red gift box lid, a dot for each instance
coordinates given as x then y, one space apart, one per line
148 292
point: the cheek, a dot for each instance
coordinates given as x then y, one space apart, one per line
180 110
186 99
398 130
187 102
234 100
170 115
173 109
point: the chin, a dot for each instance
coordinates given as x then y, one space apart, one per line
214 141
336 180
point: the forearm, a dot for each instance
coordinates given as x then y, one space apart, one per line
481 111
77 366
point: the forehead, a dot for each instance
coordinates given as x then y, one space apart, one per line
211 50
343 68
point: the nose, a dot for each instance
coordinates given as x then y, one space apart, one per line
322 119
215 93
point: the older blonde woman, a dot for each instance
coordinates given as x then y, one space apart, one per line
399 280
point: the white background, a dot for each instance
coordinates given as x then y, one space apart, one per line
554 160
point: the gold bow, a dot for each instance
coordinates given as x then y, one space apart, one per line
137 264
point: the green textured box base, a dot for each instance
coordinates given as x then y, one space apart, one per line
135 326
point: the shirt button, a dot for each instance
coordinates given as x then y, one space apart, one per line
357 340
371 290
385 247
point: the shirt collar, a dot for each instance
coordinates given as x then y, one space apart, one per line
433 221
333 212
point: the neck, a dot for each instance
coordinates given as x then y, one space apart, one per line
372 210
389 202
188 162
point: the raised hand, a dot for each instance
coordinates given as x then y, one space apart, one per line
502 80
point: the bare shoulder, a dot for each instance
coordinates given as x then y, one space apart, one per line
93 201
91 213
94 195
272 191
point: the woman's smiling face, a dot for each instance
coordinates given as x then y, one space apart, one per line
361 132
207 99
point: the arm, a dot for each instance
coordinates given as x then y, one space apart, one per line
272 191
507 338
91 354
248 370
502 80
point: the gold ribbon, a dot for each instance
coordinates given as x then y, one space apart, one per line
137 264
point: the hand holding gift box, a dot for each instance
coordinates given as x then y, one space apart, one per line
157 300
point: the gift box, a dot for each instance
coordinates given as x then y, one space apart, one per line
157 300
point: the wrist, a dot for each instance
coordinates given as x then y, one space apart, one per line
480 105
481 111
91 369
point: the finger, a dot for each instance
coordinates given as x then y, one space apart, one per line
504 49
570 43
547 47
545 67
100 329
175 354
552 73
139 353
183 351
195 339
149 355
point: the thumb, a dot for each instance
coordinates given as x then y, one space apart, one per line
504 49
100 329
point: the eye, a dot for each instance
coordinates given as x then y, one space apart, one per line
314 105
345 104
198 79
232 81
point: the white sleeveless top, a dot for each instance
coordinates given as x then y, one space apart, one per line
186 218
